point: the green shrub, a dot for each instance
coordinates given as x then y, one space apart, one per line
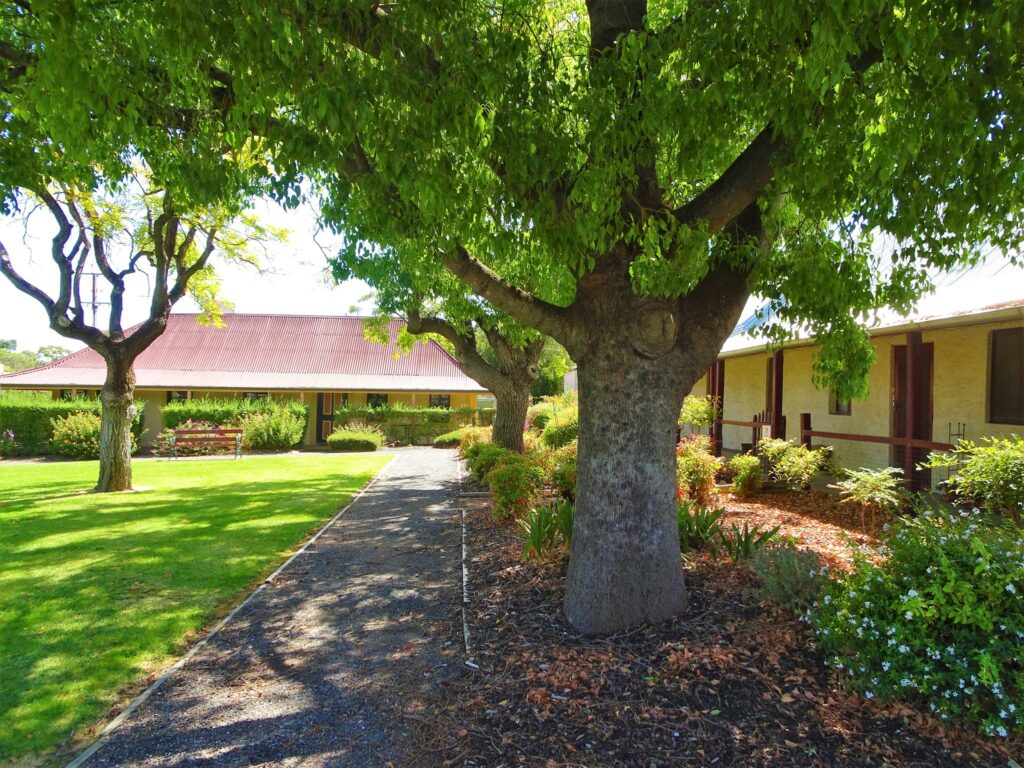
557 407
411 425
470 436
563 473
698 411
449 439
543 527
873 490
696 468
278 430
516 483
747 474
793 465
939 622
700 528
356 437
31 420
561 429
990 475
229 411
791 578
538 416
481 458
77 436
7 443
743 543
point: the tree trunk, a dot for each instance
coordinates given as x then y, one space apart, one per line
512 403
119 412
625 566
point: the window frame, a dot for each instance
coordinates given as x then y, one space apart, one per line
171 395
255 396
446 398
992 418
837 408
376 395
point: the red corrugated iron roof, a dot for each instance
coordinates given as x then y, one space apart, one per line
267 352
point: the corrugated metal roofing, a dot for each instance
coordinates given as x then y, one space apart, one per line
259 352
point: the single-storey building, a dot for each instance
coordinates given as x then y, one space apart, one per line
326 362
953 370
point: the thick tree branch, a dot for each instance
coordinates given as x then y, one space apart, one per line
548 318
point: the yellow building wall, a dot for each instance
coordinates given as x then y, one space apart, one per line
959 393
744 396
152 419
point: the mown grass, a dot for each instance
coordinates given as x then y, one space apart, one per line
98 590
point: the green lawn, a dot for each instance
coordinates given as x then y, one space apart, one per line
98 590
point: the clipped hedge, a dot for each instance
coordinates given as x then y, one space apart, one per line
344 440
229 411
414 426
31 419
561 430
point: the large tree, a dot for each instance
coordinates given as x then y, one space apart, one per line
122 235
667 158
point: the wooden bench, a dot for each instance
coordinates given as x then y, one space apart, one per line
214 438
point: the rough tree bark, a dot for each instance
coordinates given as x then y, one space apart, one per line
509 381
118 399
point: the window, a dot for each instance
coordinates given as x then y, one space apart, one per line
377 399
838 407
67 394
255 395
440 401
1006 377
178 395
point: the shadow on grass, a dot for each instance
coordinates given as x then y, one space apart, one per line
324 667
95 592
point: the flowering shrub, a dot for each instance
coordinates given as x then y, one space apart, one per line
990 475
482 457
696 468
747 474
6 443
77 436
563 474
939 622
516 483
165 440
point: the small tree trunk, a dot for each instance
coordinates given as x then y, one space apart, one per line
512 403
624 566
118 415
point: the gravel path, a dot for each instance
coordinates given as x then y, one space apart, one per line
331 664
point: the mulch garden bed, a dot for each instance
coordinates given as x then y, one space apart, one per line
730 683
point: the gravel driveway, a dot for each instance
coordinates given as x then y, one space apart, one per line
332 662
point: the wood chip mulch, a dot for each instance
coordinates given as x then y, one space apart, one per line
729 683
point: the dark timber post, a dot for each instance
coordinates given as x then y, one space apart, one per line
910 415
778 422
805 428
716 388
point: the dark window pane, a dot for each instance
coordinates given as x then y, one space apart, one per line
440 401
1006 377
377 399
838 407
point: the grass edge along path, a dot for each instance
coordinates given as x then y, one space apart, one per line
100 592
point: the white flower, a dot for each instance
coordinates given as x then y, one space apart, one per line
827 600
912 593
909 615
903 649
869 694
885 666
1011 589
1001 731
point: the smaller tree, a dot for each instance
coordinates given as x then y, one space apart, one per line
124 232
494 349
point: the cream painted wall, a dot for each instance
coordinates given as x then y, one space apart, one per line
744 396
961 381
152 421
959 394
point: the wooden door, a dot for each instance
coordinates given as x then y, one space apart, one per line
920 399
